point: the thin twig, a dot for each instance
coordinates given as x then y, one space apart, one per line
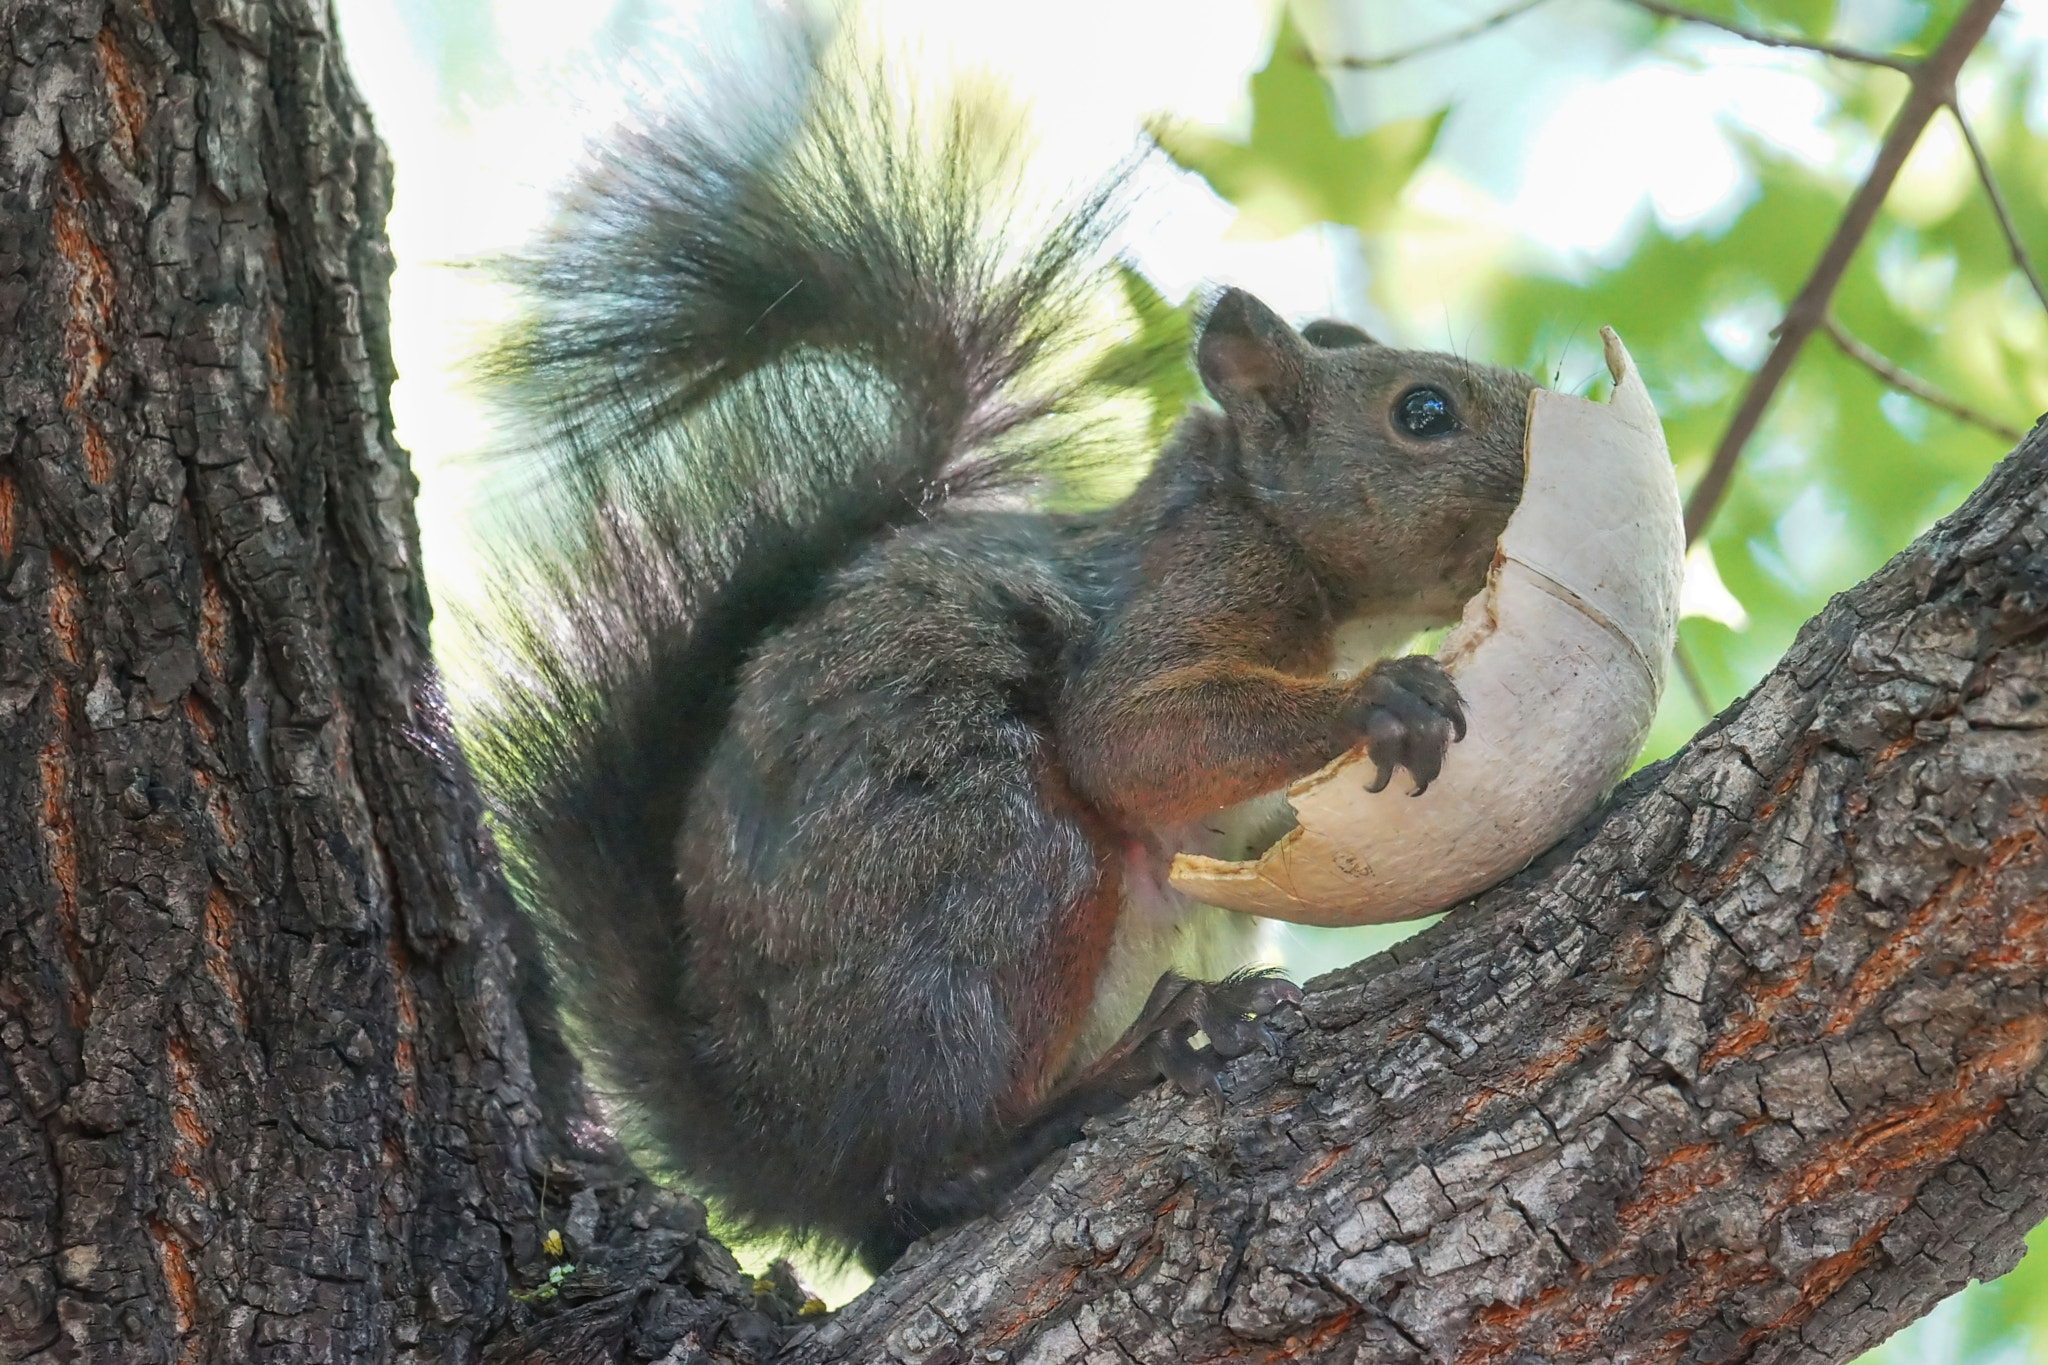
1990 182
1690 675
1913 384
1442 40
1847 54
1933 87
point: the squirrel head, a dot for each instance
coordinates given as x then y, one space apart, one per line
1395 470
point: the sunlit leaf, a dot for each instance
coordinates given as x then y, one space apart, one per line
1298 167
1153 359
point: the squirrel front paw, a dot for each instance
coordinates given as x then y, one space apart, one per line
1408 711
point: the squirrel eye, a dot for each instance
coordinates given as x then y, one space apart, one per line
1426 412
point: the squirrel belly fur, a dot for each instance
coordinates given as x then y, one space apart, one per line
836 760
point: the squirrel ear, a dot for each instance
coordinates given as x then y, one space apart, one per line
1333 335
1251 361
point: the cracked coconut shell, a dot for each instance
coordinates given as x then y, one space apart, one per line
1561 659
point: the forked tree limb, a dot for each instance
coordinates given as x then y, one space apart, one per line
1932 89
1906 382
1755 1068
1451 38
1989 181
1750 35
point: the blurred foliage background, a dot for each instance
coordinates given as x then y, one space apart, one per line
1494 177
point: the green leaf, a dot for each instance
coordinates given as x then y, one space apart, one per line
1812 18
1787 18
2011 1311
1298 168
1153 360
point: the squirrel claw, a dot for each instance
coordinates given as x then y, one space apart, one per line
1409 713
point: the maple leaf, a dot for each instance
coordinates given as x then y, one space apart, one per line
1299 168
1153 360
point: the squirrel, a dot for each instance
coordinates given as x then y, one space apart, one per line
837 765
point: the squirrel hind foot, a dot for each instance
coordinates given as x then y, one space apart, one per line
1231 1014
1160 1045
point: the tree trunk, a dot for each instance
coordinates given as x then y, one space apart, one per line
1752 1068
262 1092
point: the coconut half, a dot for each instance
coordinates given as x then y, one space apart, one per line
1561 660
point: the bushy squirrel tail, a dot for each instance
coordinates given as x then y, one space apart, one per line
755 340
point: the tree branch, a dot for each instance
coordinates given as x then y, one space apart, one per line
1441 41
1908 383
1847 54
1990 183
1754 1068
1689 674
1933 87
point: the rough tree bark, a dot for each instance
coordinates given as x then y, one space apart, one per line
1754 1068
263 1093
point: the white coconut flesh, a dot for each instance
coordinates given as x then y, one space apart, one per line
1561 660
